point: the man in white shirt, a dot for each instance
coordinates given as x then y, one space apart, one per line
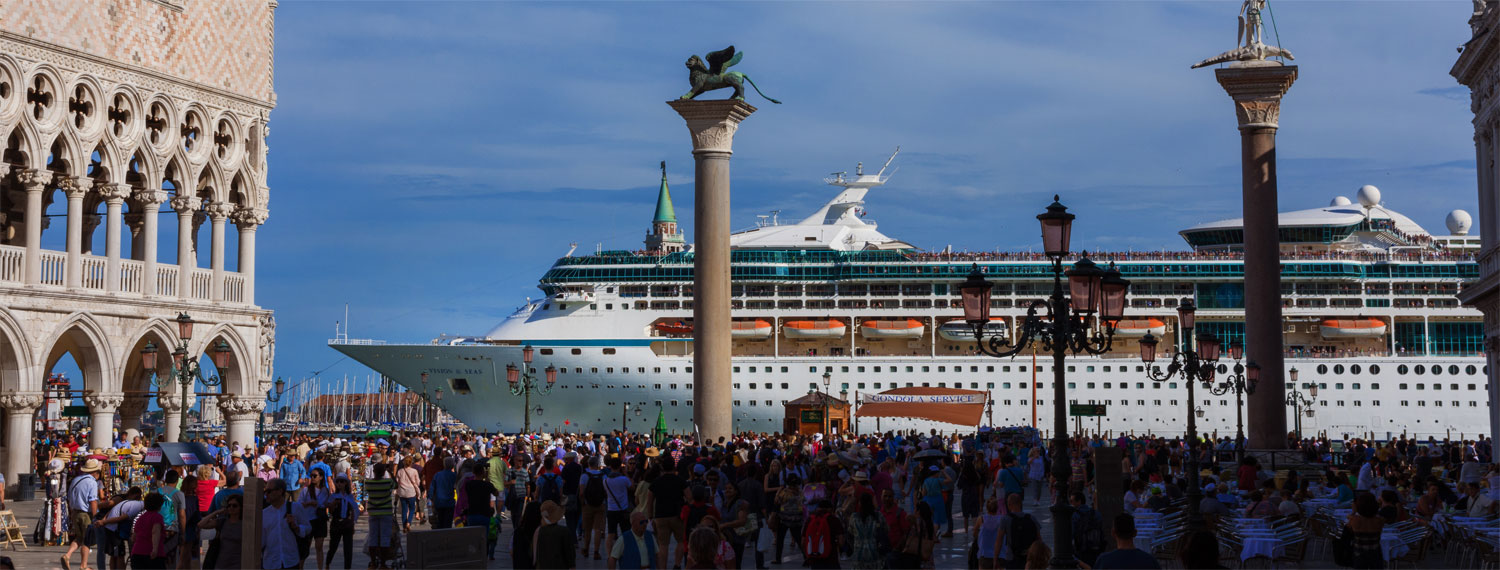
238 464
109 541
1480 504
1366 480
280 525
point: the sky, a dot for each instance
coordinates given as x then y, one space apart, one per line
429 161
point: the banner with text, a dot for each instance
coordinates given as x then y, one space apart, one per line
921 398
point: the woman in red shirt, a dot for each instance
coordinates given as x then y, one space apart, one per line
148 536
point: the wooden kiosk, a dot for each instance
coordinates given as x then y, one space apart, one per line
816 413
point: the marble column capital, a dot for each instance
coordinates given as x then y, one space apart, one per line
74 187
184 204
1257 88
34 180
149 197
241 408
249 218
21 402
113 192
712 123
99 402
219 211
171 400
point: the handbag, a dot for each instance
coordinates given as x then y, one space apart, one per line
765 541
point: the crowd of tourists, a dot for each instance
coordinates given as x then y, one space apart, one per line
634 501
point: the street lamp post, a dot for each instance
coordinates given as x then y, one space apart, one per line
625 415
1080 320
272 396
989 411
844 396
1193 366
523 383
1298 401
185 371
1242 382
827 383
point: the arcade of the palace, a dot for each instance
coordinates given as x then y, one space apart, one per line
117 118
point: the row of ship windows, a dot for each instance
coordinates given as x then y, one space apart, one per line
813 386
1157 403
1322 369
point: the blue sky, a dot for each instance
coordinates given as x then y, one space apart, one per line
429 161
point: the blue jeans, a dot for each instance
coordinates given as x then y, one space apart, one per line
408 509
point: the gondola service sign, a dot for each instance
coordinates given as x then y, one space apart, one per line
921 398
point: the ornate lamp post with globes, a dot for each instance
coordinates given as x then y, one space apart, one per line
827 384
186 371
523 383
1300 403
1081 319
1192 366
272 396
1241 382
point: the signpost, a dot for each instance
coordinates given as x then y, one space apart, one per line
1089 410
75 411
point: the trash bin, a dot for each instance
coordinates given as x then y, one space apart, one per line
26 487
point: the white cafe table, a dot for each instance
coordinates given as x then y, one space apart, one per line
1267 546
1391 545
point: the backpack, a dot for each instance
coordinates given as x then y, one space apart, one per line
1089 535
593 491
817 538
1023 531
123 528
695 515
791 511
549 488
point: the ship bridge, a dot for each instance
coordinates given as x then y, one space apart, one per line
1343 226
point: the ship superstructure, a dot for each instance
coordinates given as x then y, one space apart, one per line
1370 310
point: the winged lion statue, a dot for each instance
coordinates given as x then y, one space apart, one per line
713 75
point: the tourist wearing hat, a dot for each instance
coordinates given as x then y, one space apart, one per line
553 544
83 503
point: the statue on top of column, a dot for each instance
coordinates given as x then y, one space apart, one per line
1250 47
714 76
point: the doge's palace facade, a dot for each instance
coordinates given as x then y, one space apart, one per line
119 116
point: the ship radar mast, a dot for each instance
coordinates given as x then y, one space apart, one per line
846 208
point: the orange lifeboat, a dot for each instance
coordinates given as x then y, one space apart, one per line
808 329
899 328
677 327
1352 328
1139 327
754 330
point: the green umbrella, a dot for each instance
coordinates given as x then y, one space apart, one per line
378 433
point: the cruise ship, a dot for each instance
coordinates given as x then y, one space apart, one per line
1370 309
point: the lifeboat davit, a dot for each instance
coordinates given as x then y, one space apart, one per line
900 328
677 327
1352 328
828 328
754 330
960 331
1139 327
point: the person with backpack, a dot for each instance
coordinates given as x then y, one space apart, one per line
1088 530
788 514
869 537
1017 531
281 529
343 512
617 519
693 513
594 499
114 527
821 536
443 492
665 499
1011 479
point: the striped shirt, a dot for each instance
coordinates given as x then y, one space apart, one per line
379 496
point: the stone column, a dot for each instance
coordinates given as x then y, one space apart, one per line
91 220
1257 88
35 182
151 204
135 221
172 405
114 197
102 406
241 414
248 220
75 189
712 124
186 207
217 213
20 410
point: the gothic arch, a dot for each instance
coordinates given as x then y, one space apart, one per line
182 181
159 332
142 170
239 192
21 147
109 161
81 335
210 185
239 375
17 371
67 155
